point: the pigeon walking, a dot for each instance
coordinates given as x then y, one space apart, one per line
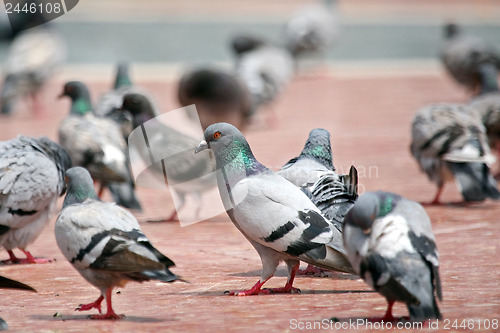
313 171
390 244
464 56
97 144
219 96
104 243
450 143
173 159
275 216
31 179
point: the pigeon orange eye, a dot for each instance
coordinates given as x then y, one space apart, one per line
217 135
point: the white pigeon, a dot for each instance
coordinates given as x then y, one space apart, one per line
104 243
312 28
31 179
277 218
449 142
390 244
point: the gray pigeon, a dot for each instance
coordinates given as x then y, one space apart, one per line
112 100
186 174
463 55
487 106
97 144
448 142
312 28
390 244
218 94
276 217
104 243
266 70
34 55
313 171
6 283
31 179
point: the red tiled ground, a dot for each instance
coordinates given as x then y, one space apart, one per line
369 118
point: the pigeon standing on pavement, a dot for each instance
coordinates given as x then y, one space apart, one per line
276 217
464 56
313 28
314 172
31 179
450 143
34 56
6 283
97 144
390 244
104 243
219 96
173 161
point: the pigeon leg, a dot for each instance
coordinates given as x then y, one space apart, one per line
255 290
32 260
436 197
388 317
293 267
101 190
93 305
110 313
12 258
311 270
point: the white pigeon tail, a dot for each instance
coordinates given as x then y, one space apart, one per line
104 243
390 244
276 217
31 179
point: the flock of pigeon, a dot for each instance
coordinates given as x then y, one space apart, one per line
306 211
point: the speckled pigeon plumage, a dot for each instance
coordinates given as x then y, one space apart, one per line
31 179
104 243
463 55
312 28
449 142
219 96
34 56
276 217
265 70
187 174
390 244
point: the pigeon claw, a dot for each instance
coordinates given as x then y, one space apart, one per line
249 292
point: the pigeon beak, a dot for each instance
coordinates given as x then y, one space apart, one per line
202 146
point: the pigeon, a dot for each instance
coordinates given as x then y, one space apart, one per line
448 142
487 106
97 144
31 179
463 55
218 94
276 217
6 283
111 101
313 171
265 70
186 174
390 244
104 243
312 28
34 56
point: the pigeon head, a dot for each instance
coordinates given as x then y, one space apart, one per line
364 212
230 148
139 107
122 76
80 97
318 147
241 44
451 30
80 186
